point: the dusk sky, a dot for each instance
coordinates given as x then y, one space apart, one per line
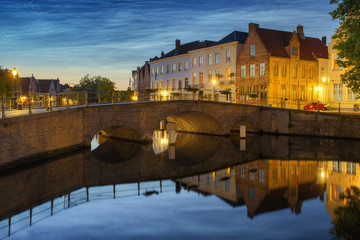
69 39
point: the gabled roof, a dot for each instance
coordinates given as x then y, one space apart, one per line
205 44
44 85
234 36
275 42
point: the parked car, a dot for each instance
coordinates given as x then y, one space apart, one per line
314 106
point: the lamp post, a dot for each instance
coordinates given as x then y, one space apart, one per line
15 73
214 82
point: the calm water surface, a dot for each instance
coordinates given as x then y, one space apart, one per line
203 187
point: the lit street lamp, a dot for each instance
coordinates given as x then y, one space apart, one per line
15 73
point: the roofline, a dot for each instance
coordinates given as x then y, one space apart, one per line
215 46
169 58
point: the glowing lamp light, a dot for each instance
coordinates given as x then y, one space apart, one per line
320 88
322 174
164 93
214 82
135 98
323 79
14 72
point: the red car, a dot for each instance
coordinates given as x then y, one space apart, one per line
314 106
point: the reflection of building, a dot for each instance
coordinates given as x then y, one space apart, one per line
276 184
340 176
221 183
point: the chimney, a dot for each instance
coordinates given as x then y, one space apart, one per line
323 39
253 27
177 44
162 54
300 31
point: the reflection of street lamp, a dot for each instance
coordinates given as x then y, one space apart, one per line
214 82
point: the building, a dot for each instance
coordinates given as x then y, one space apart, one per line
141 81
338 92
213 66
279 68
170 74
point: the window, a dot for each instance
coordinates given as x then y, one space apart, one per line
167 84
336 65
248 90
335 192
351 94
180 84
243 71
194 78
173 85
227 186
210 59
161 84
167 68
311 72
194 61
228 56
294 92
186 82
276 69
262 69
162 70
252 50
294 72
201 61
201 78
209 76
252 175
227 74
242 90
217 58
242 171
294 51
338 91
152 85
274 175
152 71
217 74
322 72
302 92
283 69
179 66
283 91
252 70
157 71
186 65
311 93
173 67
261 175
303 71
351 168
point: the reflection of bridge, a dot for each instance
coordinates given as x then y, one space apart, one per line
55 132
15 223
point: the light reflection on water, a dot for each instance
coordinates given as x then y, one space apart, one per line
286 199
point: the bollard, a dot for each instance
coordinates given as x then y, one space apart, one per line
242 145
30 106
171 152
242 131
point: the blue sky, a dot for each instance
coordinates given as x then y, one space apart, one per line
69 39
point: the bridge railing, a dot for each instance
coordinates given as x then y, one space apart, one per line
47 102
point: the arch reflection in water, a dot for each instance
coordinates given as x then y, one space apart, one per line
114 150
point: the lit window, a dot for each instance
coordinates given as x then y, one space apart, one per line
162 70
276 69
152 71
283 69
252 50
194 78
201 78
338 91
351 94
186 82
227 74
294 72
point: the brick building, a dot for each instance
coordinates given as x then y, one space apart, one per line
278 67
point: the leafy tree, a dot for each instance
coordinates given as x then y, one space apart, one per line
6 82
347 41
347 218
95 84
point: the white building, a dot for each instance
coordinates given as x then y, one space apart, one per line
213 67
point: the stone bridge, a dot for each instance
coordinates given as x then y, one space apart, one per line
51 133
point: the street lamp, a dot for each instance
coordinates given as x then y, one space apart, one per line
15 73
214 82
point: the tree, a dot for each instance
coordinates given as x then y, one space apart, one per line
95 84
347 218
6 82
347 41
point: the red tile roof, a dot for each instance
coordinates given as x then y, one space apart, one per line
275 42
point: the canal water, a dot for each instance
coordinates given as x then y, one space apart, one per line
201 187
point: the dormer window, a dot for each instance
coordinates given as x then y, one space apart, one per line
294 51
